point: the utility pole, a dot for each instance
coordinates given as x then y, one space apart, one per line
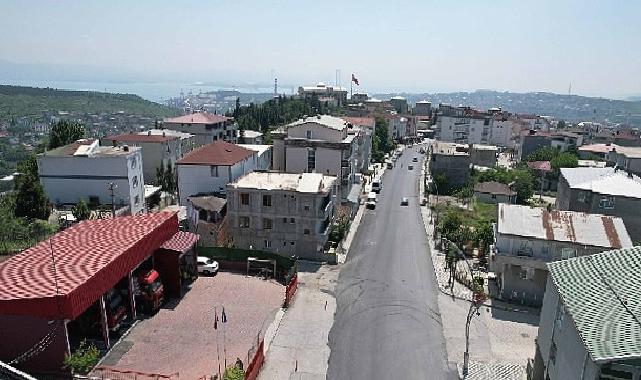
112 188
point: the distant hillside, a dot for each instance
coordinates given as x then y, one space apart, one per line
31 102
572 108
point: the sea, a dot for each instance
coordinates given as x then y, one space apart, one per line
154 91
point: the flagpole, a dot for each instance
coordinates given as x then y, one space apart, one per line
217 340
223 320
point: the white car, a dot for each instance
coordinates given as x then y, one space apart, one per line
207 265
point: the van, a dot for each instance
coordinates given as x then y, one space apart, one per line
371 201
377 185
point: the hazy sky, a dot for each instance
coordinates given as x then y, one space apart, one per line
519 45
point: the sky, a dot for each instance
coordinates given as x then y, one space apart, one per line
392 45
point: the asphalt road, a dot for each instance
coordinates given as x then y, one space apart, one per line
387 323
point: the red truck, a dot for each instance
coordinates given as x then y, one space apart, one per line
151 291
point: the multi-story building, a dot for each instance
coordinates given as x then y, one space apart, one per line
400 127
206 127
288 214
321 144
528 238
263 155
625 158
208 169
84 170
423 108
187 140
451 161
532 140
252 137
589 326
399 104
463 125
484 155
157 150
322 92
606 191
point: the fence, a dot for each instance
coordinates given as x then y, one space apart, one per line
108 373
290 290
256 362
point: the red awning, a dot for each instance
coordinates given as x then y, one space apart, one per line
181 242
90 258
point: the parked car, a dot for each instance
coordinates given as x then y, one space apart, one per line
410 167
415 159
371 201
207 265
404 201
377 185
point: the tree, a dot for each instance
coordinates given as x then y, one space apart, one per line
65 132
31 201
81 211
544 153
564 160
560 124
83 359
523 185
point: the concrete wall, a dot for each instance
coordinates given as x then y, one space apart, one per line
310 212
455 167
66 179
278 159
483 157
319 132
198 179
203 135
493 198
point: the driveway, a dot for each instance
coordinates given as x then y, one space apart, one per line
183 339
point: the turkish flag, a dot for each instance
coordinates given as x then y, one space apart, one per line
355 80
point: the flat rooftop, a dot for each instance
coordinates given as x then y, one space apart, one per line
450 149
325 120
89 148
167 132
302 183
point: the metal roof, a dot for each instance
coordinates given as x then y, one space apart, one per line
182 241
90 258
567 226
601 294
605 181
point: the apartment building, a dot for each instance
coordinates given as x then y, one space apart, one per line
322 144
452 161
527 239
85 170
334 95
208 169
285 213
206 127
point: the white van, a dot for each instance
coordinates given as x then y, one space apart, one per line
371 201
377 185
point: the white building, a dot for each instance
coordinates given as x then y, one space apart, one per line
157 150
252 137
337 96
320 144
264 155
285 213
589 326
205 126
85 170
208 169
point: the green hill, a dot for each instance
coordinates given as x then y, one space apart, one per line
31 102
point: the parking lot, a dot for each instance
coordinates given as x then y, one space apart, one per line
183 339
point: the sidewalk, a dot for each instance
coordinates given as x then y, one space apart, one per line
501 337
299 346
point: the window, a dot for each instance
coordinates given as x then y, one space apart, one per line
244 199
214 171
267 243
493 196
526 273
306 207
134 181
292 220
284 244
306 231
137 200
244 222
267 224
607 203
309 134
267 200
567 253
284 220
311 160
292 243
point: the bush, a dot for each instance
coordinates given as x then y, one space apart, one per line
233 373
83 359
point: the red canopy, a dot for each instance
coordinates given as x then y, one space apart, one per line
90 258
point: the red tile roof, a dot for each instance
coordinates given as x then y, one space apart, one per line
540 165
217 153
140 138
198 118
91 257
360 121
181 241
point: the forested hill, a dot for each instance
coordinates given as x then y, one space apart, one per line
31 102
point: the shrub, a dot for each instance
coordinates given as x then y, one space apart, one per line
83 359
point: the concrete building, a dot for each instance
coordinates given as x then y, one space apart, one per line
463 125
205 215
157 150
321 144
252 137
264 155
187 140
288 214
494 192
625 158
337 96
399 104
206 127
532 140
484 155
528 238
401 127
208 169
602 191
452 161
589 326
84 170
601 151
423 108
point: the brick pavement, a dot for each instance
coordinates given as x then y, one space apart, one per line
183 340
